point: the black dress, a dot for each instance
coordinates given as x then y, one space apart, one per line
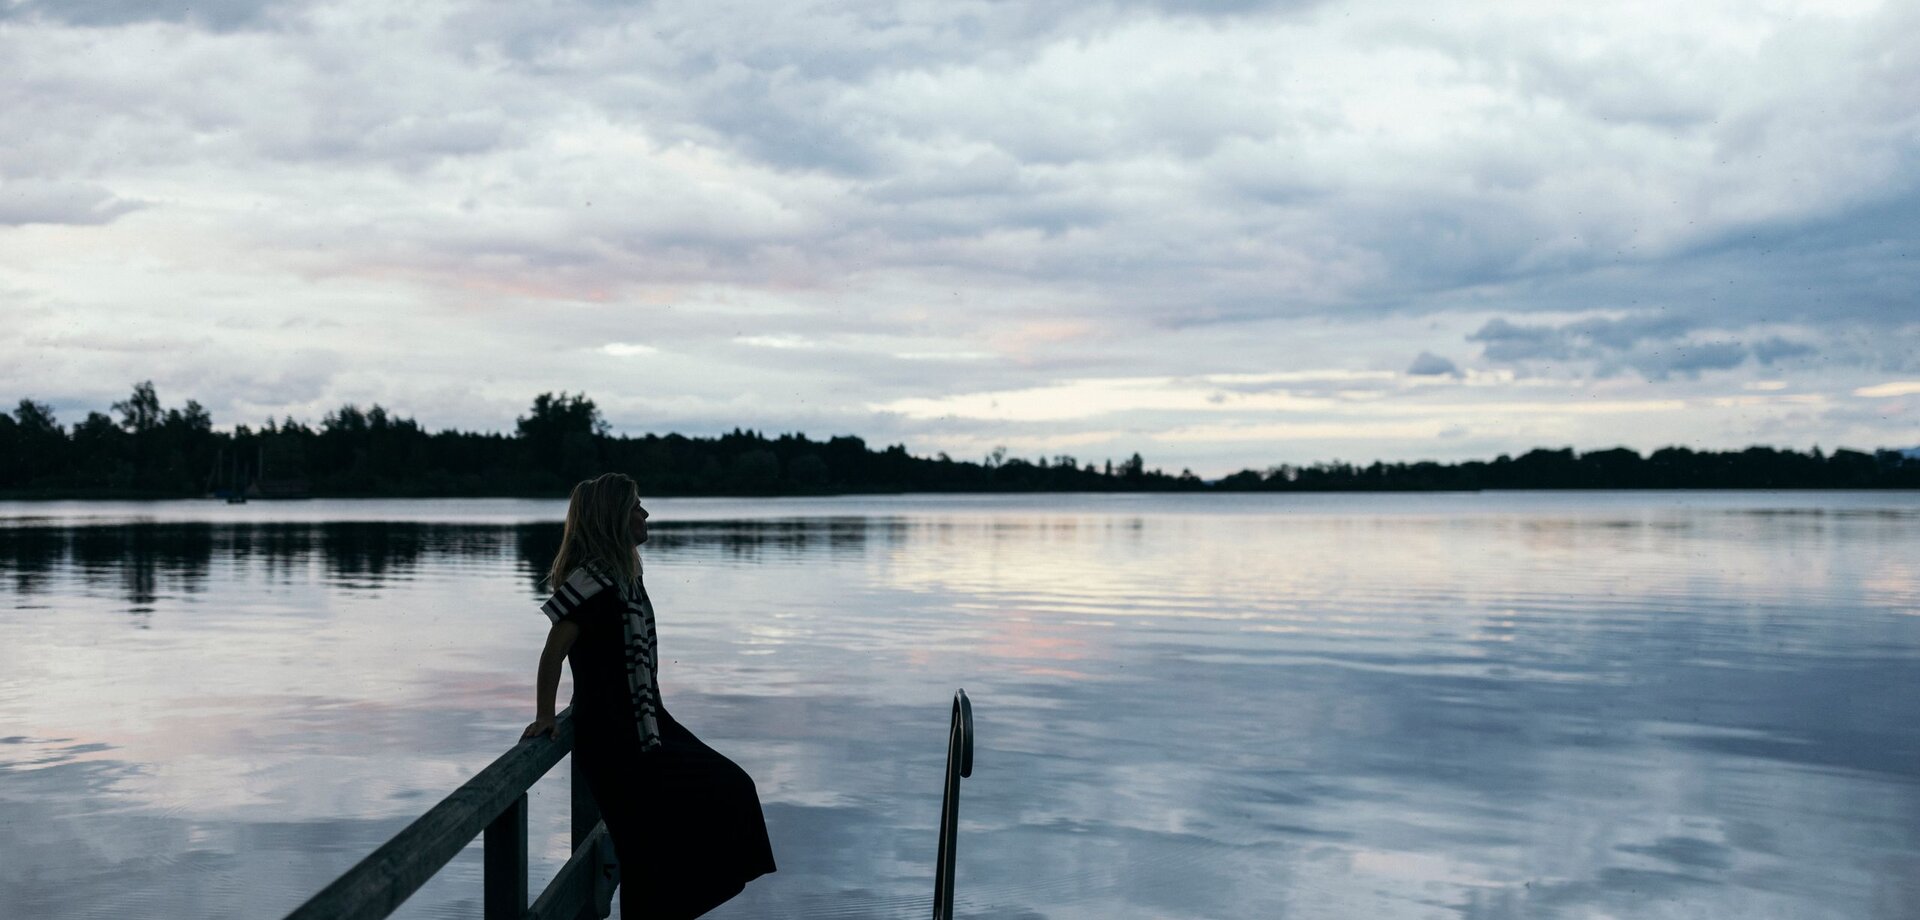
685 820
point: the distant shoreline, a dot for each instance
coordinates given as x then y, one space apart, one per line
152 452
100 496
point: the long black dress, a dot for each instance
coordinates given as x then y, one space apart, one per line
685 821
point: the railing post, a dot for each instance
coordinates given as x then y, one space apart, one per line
586 816
586 811
504 852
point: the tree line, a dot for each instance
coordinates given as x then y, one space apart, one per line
144 450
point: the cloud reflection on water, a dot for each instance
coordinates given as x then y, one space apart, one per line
1652 711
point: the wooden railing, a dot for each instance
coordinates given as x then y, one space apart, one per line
494 804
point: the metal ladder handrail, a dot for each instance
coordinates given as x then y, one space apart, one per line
959 764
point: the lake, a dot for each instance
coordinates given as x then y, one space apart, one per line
1494 705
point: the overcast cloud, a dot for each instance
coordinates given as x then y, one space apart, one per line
1225 235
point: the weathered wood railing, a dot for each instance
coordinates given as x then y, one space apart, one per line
493 803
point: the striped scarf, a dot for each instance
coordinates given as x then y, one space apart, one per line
641 644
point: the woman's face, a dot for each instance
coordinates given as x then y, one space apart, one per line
639 522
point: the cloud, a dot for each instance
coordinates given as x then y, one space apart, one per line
1001 101
220 15
1510 342
1892 388
777 341
35 201
1687 358
1769 350
1094 398
1626 332
628 349
949 200
1655 345
1428 364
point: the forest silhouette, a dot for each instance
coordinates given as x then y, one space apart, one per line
144 450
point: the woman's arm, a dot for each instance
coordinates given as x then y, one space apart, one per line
547 682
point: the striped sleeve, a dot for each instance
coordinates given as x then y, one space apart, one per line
579 586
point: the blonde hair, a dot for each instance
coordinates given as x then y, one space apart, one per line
599 529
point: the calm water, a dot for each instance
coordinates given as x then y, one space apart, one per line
1516 705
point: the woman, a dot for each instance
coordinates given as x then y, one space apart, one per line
685 821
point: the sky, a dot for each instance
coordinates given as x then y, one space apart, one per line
1225 235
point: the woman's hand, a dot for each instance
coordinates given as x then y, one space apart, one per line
543 725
